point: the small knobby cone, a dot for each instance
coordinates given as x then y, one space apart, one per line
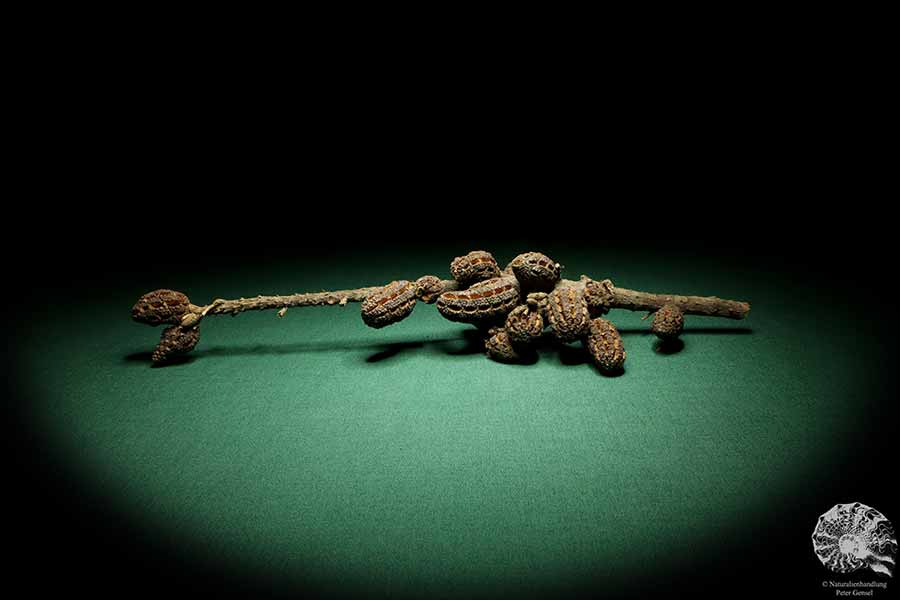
605 346
428 288
524 324
598 296
538 301
160 307
392 303
567 312
475 266
174 341
535 271
668 322
500 347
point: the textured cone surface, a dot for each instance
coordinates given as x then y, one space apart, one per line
392 303
537 301
499 347
475 266
428 288
174 341
605 346
668 323
160 307
482 303
524 324
535 271
598 296
568 313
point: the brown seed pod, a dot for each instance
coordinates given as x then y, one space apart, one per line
500 347
482 303
475 266
160 307
524 324
598 295
428 288
568 313
535 271
668 322
605 346
174 341
392 303
537 301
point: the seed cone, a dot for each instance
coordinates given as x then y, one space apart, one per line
524 324
483 304
668 323
605 346
392 303
174 341
160 307
500 347
428 288
568 313
475 266
535 271
597 296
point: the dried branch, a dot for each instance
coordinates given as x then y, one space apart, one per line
511 306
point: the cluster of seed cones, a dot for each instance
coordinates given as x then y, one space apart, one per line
168 307
512 307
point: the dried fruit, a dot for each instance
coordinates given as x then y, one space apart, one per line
535 271
475 266
568 313
605 346
537 301
174 341
524 324
598 295
428 288
390 304
500 347
668 322
160 307
483 302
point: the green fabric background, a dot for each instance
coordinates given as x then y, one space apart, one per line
401 460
